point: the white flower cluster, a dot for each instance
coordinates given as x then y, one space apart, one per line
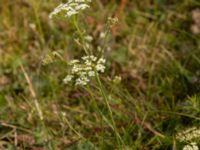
82 70
188 135
117 79
72 7
191 146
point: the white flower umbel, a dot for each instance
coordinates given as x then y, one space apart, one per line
70 8
191 146
188 135
82 70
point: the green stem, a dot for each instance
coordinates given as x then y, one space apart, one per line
119 139
87 51
96 107
104 42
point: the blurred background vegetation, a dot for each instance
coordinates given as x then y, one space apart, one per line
155 48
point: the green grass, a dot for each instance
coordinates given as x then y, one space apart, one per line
153 50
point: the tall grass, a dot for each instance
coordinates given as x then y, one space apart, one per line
151 48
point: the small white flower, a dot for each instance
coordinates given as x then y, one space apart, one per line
100 68
63 114
87 45
89 58
93 58
82 70
76 69
70 8
191 146
85 57
82 7
75 61
101 61
91 73
88 63
102 35
117 79
80 82
73 4
112 21
70 13
88 38
88 68
83 80
82 73
67 79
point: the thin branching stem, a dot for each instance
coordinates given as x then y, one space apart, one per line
81 35
119 139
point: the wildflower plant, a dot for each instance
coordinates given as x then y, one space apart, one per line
92 63
89 65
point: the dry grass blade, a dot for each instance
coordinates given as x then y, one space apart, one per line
32 92
147 126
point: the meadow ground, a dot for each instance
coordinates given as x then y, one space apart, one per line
154 49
